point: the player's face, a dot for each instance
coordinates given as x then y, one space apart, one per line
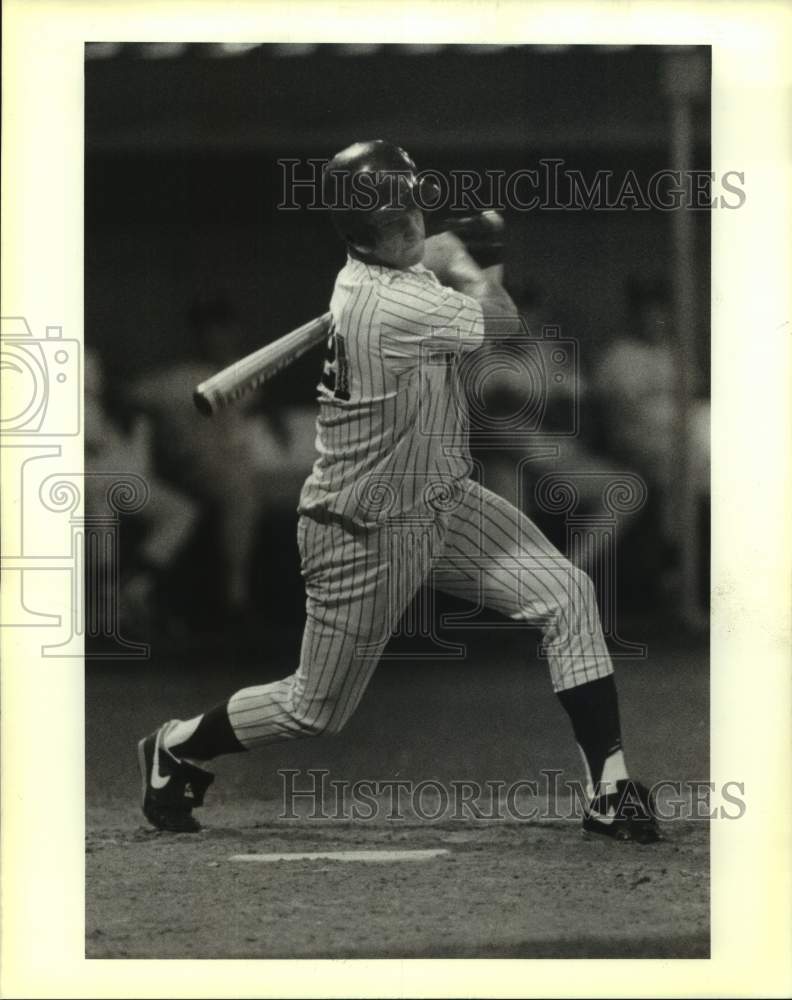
400 241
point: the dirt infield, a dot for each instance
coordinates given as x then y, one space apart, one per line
507 888
528 890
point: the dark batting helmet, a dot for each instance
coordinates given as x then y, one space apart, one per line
369 183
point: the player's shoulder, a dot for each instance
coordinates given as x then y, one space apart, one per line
380 286
357 272
417 286
418 275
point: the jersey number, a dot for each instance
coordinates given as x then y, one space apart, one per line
335 376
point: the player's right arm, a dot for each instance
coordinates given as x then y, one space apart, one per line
417 314
445 254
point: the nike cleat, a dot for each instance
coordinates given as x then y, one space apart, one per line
172 788
626 814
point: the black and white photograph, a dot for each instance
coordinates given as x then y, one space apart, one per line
395 549
410 627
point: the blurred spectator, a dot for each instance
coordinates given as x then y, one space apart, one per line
225 464
635 384
158 531
634 381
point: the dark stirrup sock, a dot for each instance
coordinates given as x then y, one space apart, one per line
212 737
593 710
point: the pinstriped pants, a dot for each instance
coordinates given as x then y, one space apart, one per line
359 583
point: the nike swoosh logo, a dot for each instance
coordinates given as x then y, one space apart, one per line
157 780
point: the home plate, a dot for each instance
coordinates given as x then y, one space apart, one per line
376 856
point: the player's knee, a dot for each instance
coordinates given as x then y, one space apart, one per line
322 726
332 725
577 588
569 597
585 586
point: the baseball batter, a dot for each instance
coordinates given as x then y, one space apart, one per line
390 506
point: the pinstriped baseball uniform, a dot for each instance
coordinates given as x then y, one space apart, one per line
390 421
389 506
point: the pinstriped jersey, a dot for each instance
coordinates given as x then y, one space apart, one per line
392 427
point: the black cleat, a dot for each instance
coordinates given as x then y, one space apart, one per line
626 814
172 788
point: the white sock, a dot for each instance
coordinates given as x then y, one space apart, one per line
179 732
613 770
589 782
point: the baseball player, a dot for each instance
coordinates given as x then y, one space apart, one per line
390 506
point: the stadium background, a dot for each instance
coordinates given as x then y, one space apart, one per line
181 188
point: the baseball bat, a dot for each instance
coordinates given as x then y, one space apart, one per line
252 371
255 369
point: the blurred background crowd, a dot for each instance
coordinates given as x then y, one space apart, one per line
189 264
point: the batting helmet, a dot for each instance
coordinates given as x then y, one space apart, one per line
369 183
